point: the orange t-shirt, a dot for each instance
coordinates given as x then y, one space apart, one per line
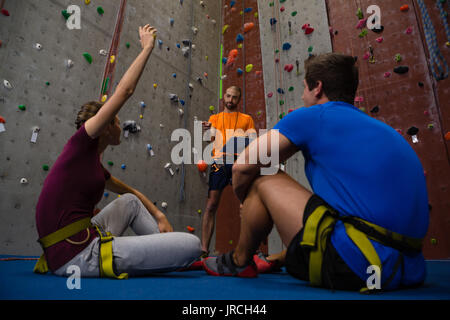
230 124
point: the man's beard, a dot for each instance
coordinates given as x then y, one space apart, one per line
230 106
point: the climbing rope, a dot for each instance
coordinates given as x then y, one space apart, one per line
437 60
444 15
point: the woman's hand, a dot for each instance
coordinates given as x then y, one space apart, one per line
147 35
164 224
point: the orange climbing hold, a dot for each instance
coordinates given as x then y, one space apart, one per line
232 56
202 166
447 136
190 229
404 8
248 26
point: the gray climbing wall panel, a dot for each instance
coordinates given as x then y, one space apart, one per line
290 16
53 107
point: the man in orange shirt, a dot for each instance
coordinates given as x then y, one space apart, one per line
224 126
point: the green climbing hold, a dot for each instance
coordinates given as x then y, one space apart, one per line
45 167
249 68
291 89
294 13
281 1
88 57
110 163
127 45
310 49
259 113
211 108
47 83
22 107
433 241
100 10
398 57
65 14
359 13
271 4
282 115
281 102
363 33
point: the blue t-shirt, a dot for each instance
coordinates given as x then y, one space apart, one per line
362 167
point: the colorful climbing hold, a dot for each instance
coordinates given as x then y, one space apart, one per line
286 46
409 30
288 67
22 107
112 59
379 40
307 28
404 8
190 229
7 84
100 10
87 2
270 95
248 26
110 163
363 33
294 13
240 71
45 167
239 38
88 57
398 57
65 14
225 28
249 68
401 69
202 166
447 136
123 166
359 13
211 108
127 45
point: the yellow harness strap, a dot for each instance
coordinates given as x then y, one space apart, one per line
319 225
105 256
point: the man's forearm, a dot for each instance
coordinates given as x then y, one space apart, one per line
243 180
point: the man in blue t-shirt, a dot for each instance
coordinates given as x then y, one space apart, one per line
357 166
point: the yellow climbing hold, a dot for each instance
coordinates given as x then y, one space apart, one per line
104 98
87 1
112 59
249 67
240 45
225 27
155 85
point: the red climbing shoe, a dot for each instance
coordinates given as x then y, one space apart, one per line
223 265
264 265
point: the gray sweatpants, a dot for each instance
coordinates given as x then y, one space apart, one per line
148 252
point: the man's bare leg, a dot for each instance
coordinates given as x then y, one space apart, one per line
276 199
208 218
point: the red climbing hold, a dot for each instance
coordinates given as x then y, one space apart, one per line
307 28
5 12
288 67
2 120
447 136
404 8
202 166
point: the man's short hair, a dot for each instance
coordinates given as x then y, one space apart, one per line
236 88
338 73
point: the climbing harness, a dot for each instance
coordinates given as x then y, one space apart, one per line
319 226
437 59
105 250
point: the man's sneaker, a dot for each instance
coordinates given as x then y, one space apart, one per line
223 265
265 266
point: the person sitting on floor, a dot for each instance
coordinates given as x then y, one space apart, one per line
68 231
362 225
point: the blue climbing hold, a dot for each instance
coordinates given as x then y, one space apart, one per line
239 38
246 10
280 91
232 3
106 194
182 102
160 42
240 71
273 21
178 46
123 166
174 75
224 60
286 46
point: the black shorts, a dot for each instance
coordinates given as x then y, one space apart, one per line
220 179
335 272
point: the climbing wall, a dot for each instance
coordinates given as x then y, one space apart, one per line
44 91
413 102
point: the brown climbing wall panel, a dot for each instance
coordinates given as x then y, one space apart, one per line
402 102
252 102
